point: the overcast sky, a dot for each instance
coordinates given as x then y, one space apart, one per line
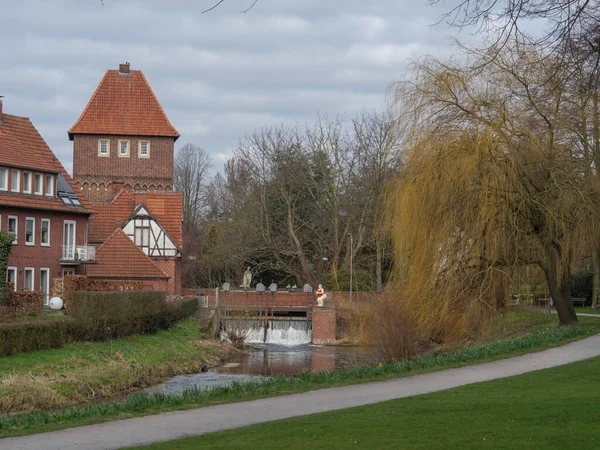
218 75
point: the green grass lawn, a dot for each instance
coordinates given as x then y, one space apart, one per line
548 409
586 310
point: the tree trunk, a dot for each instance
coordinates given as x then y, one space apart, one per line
596 278
558 277
378 267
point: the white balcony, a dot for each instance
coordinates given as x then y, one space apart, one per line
78 253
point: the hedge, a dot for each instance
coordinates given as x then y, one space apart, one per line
84 283
21 304
5 246
22 337
96 316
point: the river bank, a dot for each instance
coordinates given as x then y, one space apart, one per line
141 404
85 372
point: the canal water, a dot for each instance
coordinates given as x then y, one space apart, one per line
264 360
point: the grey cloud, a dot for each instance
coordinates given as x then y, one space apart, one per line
218 75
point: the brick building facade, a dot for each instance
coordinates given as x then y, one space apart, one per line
40 207
123 152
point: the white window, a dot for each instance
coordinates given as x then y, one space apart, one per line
29 278
13 227
103 147
15 180
29 231
50 185
144 149
37 183
27 182
68 252
3 179
11 276
45 234
45 283
124 149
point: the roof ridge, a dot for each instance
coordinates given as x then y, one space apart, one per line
89 102
15 116
119 231
121 192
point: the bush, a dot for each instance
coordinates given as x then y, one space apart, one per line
104 315
26 303
21 304
96 316
391 330
28 336
5 247
84 283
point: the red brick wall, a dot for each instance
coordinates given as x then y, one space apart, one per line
279 298
323 326
155 285
94 174
171 268
38 256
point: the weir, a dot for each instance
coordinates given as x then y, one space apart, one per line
283 318
280 332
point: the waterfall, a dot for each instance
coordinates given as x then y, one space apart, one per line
289 332
280 332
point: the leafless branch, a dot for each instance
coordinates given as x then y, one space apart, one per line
251 6
221 1
213 6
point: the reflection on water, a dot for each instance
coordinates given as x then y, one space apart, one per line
268 359
281 360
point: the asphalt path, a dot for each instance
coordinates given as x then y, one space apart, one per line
172 425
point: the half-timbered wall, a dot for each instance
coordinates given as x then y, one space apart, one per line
150 237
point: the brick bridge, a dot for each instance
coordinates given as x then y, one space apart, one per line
276 306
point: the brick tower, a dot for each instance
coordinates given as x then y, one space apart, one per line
123 139
123 146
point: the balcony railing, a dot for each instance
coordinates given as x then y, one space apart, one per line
78 253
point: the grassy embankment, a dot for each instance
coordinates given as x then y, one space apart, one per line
512 334
88 371
549 409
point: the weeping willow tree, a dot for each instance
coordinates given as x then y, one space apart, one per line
493 184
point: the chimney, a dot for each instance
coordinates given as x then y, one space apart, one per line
0 108
124 69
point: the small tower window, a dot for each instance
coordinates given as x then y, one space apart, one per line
103 147
124 149
144 149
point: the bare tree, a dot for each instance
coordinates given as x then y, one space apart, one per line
567 22
191 178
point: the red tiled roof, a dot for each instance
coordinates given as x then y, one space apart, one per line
166 207
109 216
124 104
119 257
22 146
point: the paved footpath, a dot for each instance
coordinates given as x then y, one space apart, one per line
162 427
